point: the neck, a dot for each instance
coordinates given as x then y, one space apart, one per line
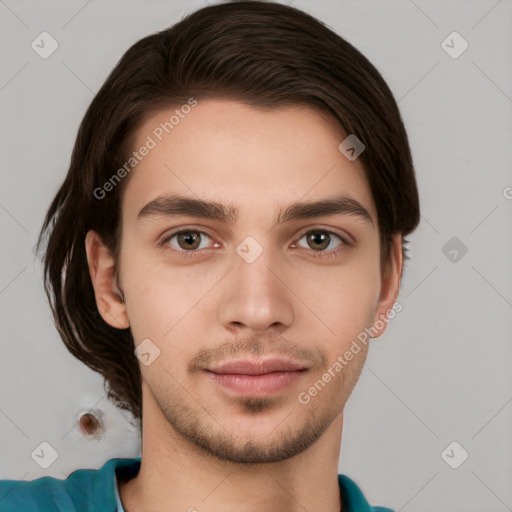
176 475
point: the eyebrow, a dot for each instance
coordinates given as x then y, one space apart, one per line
183 205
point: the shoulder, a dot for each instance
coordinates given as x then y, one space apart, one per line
353 498
83 490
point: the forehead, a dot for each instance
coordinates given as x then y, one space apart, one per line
230 152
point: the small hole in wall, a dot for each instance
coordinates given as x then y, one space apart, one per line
90 423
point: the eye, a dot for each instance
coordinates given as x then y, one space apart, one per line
187 240
319 240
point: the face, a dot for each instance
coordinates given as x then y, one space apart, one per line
244 305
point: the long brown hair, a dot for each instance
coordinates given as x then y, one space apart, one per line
262 53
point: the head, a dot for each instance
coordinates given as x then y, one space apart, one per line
243 106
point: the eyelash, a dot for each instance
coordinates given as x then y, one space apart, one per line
333 253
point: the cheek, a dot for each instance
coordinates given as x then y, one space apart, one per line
161 300
145 293
343 298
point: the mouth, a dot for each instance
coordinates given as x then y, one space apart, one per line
256 377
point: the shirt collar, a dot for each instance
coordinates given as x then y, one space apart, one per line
124 469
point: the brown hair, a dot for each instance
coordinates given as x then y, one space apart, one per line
262 53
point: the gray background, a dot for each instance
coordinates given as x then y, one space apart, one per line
441 372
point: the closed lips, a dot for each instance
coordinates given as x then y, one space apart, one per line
247 367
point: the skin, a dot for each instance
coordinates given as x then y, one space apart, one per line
204 448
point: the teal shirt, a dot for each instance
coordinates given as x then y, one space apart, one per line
95 490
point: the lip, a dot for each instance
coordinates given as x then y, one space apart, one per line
256 377
256 367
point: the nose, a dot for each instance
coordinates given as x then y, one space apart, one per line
256 294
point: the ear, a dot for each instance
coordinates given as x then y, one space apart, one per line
102 271
390 286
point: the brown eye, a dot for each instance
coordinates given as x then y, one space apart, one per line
318 240
189 239
321 240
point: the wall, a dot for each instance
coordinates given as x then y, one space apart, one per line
441 372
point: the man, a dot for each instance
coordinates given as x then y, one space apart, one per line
230 229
